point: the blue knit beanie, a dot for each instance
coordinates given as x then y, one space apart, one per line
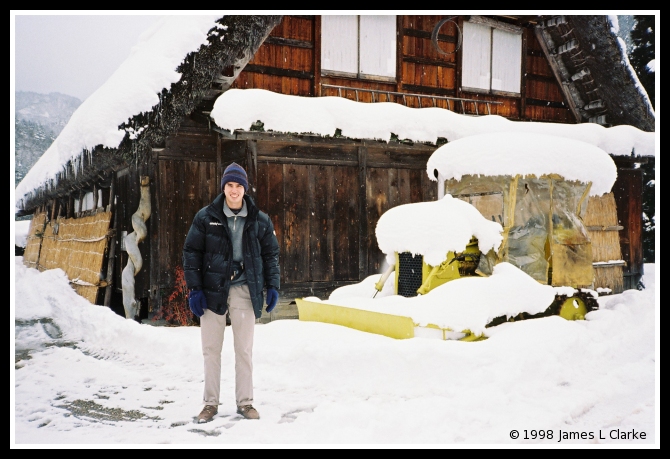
235 173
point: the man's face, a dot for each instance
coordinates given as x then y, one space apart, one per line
234 193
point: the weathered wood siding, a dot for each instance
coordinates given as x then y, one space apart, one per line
285 61
422 68
544 99
325 196
186 179
628 194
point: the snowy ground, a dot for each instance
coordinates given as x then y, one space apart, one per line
86 376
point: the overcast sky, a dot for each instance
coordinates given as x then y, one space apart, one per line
72 52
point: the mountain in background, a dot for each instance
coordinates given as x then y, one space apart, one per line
50 110
38 120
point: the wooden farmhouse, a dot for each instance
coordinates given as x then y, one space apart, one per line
115 218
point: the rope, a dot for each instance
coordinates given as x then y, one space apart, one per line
55 238
134 257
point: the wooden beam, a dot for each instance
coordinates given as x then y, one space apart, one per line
306 161
399 53
423 34
54 206
70 206
252 166
554 67
281 41
363 214
427 61
111 253
81 201
545 103
316 33
543 78
429 89
522 103
267 70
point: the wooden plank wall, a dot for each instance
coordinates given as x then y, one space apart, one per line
422 68
628 194
187 178
285 61
544 100
325 199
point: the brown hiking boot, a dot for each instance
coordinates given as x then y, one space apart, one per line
207 414
248 411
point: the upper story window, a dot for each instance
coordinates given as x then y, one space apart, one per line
359 46
491 56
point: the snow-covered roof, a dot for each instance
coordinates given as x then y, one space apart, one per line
524 153
434 228
238 109
133 88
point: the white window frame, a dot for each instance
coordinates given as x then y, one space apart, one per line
361 47
492 57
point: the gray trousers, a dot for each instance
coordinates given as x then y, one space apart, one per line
212 326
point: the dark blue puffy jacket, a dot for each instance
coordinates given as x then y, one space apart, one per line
208 255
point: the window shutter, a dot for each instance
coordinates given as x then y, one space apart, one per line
378 45
339 43
476 56
506 65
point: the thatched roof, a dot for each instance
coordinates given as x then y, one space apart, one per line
587 58
230 47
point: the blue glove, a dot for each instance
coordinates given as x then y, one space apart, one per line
271 300
197 302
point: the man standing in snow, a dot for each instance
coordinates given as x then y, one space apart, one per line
231 255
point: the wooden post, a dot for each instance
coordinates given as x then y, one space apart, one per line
362 213
219 172
81 202
112 248
316 33
110 204
54 210
252 168
524 80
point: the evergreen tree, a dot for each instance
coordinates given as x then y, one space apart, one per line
649 211
31 140
643 52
